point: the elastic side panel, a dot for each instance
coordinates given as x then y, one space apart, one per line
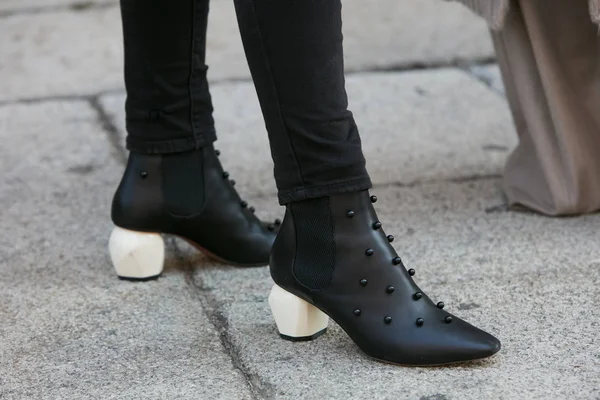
183 183
315 244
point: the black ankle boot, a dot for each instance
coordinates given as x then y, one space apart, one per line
190 196
332 258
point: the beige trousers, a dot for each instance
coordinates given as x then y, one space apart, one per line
549 55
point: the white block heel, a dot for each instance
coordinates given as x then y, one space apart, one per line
296 319
136 255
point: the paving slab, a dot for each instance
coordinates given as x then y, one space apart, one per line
531 280
378 34
416 126
70 329
60 53
79 51
403 33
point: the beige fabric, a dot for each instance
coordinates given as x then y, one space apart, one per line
549 54
495 11
595 10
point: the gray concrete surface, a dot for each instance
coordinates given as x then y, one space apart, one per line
69 328
435 139
67 51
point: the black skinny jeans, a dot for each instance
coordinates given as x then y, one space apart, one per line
294 50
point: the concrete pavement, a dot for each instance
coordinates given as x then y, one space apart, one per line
436 132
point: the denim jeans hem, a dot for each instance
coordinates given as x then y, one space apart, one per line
172 145
303 193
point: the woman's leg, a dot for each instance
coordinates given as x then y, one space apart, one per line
174 182
331 256
294 49
168 105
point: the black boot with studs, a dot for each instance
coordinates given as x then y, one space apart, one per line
332 259
186 195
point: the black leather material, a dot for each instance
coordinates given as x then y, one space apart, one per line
221 226
401 340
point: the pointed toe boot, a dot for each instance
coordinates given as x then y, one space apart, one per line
188 195
333 259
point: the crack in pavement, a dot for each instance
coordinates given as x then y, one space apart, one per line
64 97
458 63
416 66
79 6
111 130
259 389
